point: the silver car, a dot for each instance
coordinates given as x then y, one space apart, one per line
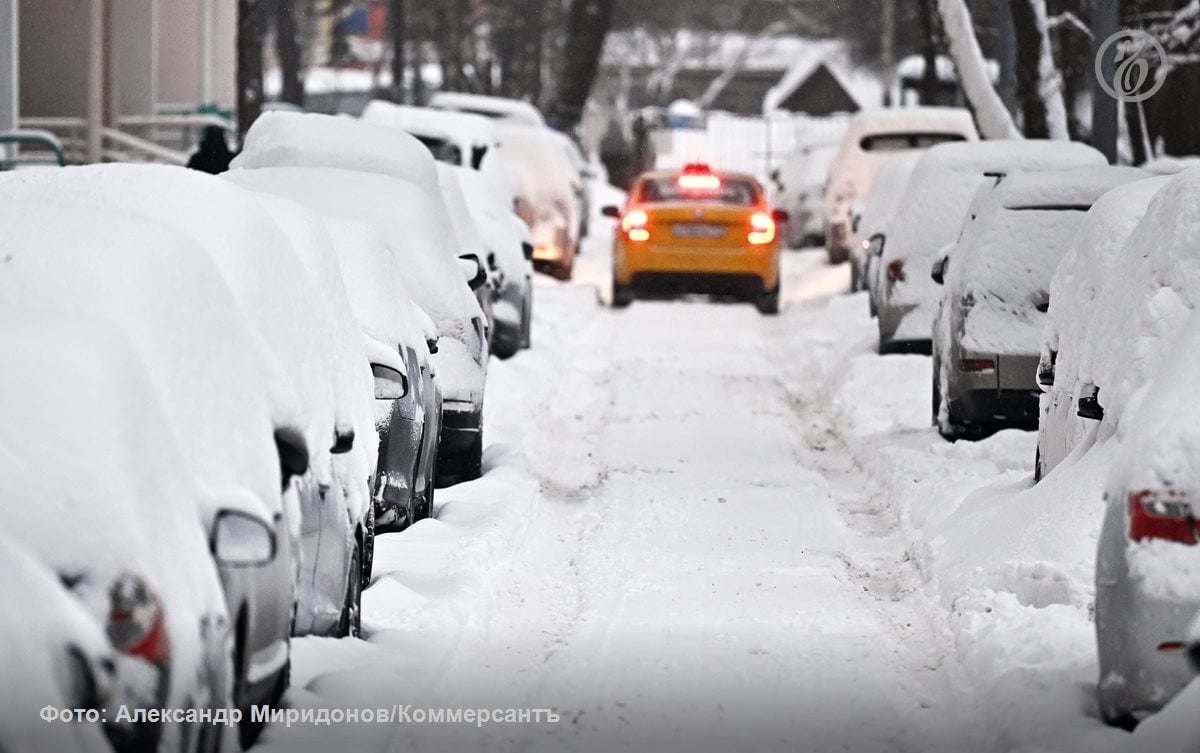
988 325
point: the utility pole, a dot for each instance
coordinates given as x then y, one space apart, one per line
10 81
1106 21
887 50
95 80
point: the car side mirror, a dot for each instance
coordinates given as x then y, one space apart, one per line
343 442
390 384
780 216
611 211
875 245
474 272
1089 406
432 344
527 250
293 454
938 271
240 539
1045 371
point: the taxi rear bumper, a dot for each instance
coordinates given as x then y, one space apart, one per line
742 268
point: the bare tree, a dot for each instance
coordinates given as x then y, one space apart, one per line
251 29
1039 83
290 51
993 117
587 25
398 34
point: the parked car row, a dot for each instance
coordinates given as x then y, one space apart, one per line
1058 294
218 390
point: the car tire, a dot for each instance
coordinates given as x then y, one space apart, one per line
527 322
505 346
767 302
350 623
622 295
563 271
937 397
368 563
1037 464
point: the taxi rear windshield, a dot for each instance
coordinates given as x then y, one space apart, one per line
740 193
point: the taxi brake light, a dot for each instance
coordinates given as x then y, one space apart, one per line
634 225
762 229
699 181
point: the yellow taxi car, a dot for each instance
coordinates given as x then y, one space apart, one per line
697 230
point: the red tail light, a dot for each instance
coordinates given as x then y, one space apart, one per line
699 182
1161 514
895 271
634 223
762 229
976 364
135 620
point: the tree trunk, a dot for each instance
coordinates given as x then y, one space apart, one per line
990 113
929 50
287 46
397 30
1039 85
251 28
587 26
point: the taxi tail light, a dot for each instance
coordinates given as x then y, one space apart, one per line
136 624
699 181
634 225
762 229
1161 514
976 365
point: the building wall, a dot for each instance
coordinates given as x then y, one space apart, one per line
181 53
54 53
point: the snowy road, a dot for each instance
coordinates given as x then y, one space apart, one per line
699 530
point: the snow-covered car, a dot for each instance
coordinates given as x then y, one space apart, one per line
229 408
511 244
871 140
387 179
546 196
928 218
1067 351
1147 560
279 298
801 189
499 108
129 546
337 534
582 175
870 220
470 239
55 655
409 424
996 278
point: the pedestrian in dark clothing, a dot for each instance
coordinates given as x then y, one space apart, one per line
213 156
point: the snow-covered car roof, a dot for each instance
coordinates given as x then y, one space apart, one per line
415 225
94 482
286 139
469 132
257 262
209 369
1151 289
1006 256
514 110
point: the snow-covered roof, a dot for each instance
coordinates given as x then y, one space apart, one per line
508 110
1006 256
288 139
864 87
467 130
209 369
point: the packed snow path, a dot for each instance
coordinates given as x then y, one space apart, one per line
673 549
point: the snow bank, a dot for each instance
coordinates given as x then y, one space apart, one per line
288 139
1090 260
935 203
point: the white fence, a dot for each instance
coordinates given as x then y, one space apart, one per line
756 146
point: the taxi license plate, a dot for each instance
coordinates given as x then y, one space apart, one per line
697 230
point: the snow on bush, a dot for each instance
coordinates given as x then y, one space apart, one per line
1091 259
935 203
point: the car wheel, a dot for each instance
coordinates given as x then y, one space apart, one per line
368 563
937 396
563 271
767 302
527 324
351 622
622 295
1037 464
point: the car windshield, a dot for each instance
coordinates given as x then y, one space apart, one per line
897 142
740 193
